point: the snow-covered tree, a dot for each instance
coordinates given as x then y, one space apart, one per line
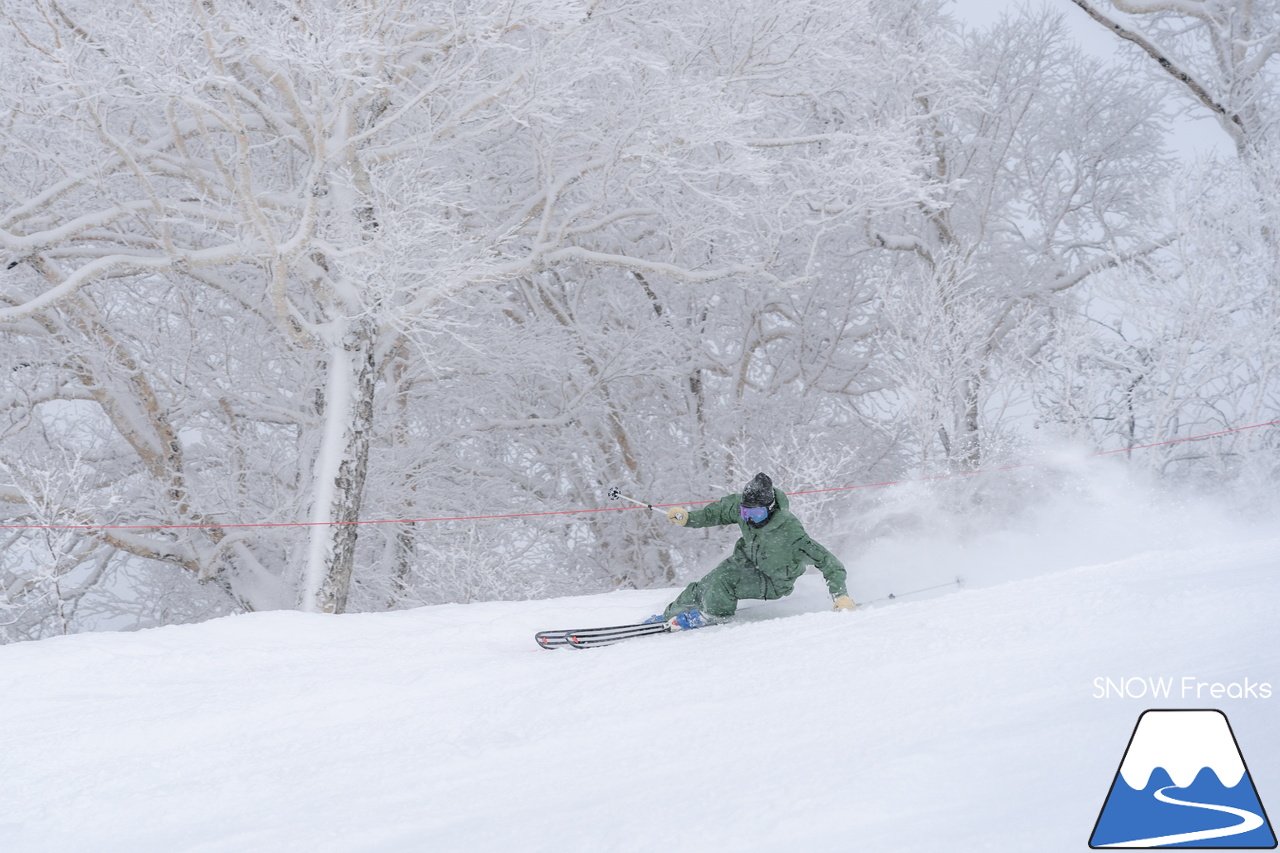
1222 54
333 172
628 378
1184 343
247 240
1047 162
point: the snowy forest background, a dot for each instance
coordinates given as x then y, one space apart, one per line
279 261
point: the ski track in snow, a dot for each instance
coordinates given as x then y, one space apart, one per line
1248 822
964 721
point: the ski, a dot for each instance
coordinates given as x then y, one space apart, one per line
586 638
552 639
607 637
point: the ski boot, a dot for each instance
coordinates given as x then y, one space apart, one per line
689 620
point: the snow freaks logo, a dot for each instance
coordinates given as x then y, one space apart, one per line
1183 783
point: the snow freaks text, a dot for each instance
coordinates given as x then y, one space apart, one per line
1185 687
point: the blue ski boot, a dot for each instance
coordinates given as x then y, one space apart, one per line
689 620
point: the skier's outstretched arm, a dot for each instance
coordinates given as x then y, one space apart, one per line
832 570
723 511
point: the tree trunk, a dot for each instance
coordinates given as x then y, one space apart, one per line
340 469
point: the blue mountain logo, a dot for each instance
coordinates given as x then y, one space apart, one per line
1183 783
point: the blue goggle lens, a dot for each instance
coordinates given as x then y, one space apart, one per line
754 513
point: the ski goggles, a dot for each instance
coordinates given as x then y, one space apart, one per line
754 513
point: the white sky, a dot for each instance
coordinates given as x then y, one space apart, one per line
1194 135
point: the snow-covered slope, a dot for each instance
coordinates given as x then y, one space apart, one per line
967 721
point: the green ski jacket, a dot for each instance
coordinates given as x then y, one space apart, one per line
780 549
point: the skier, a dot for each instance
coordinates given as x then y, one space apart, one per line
772 553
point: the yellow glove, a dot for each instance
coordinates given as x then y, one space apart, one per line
678 515
844 602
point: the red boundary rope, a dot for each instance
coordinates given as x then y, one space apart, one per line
585 511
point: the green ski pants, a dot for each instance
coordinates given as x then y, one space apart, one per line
719 592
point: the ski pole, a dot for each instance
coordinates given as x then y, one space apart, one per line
959 581
614 494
